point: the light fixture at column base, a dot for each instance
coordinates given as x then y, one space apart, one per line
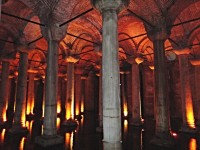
46 141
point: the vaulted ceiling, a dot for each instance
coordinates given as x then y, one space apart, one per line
22 23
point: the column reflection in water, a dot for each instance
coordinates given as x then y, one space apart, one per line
29 125
2 136
193 144
69 137
22 142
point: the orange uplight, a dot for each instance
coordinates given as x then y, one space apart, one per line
82 106
29 125
4 113
2 135
68 111
77 108
69 140
42 109
23 118
125 110
193 144
58 122
59 106
21 145
189 113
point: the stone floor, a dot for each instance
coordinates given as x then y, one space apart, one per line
86 138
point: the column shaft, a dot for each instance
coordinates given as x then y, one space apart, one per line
136 100
70 91
20 107
161 97
110 79
186 96
4 90
50 113
31 94
78 94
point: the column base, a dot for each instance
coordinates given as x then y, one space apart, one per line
187 129
78 117
18 130
112 145
99 129
163 140
134 122
30 117
69 125
46 141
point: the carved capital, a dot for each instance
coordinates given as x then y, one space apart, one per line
183 51
195 62
117 5
72 59
32 71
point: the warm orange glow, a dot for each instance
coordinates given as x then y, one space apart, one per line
58 122
82 105
189 113
125 126
23 118
125 109
69 140
22 142
59 106
193 144
2 135
42 109
77 107
68 111
4 113
29 125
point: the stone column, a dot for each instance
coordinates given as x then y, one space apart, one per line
20 107
124 104
100 112
110 70
158 35
185 90
77 94
53 34
196 93
4 91
31 93
11 100
83 80
69 105
63 97
136 100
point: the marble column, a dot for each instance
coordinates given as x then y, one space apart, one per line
162 132
20 106
185 90
53 34
136 99
83 80
100 112
4 91
11 99
63 97
196 93
69 105
77 94
31 93
110 70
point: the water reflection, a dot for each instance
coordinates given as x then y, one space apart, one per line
192 144
112 146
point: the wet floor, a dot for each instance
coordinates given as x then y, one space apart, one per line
85 137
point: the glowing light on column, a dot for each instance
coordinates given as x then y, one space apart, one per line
193 144
2 135
4 112
58 122
29 125
125 109
59 106
22 142
190 113
69 140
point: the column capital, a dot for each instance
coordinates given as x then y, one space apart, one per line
83 77
117 5
54 32
195 62
183 51
135 60
159 30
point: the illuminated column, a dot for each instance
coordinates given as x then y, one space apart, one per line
136 100
4 91
100 113
11 100
53 34
63 97
110 70
158 35
20 107
77 93
196 93
124 103
185 90
83 80
69 105
31 92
